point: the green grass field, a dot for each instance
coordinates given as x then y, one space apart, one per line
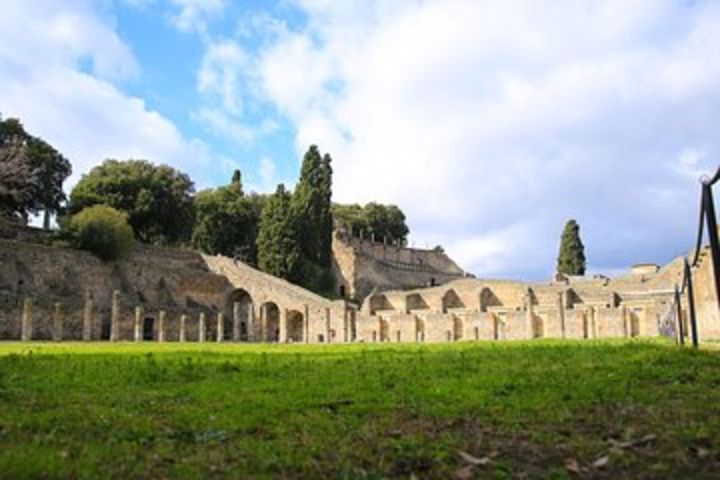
488 410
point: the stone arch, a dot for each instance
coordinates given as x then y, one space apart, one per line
295 326
451 300
415 301
270 315
488 299
239 316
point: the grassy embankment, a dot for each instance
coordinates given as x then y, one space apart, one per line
537 409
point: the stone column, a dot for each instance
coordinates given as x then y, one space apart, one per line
529 317
26 326
251 322
115 317
88 316
220 327
328 325
57 333
263 324
306 330
593 322
183 322
201 328
236 322
561 312
626 330
283 326
161 326
138 323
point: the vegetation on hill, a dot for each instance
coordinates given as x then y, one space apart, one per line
571 260
278 249
32 173
157 198
101 230
382 222
469 410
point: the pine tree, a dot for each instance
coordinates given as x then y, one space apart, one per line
278 250
236 183
571 260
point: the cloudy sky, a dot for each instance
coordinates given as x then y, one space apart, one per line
489 122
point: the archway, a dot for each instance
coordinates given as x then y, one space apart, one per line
295 323
451 300
270 314
488 299
458 328
239 323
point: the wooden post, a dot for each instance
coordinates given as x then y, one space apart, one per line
691 304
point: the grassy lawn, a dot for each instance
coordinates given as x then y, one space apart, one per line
489 410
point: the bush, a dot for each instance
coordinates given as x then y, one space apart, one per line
101 230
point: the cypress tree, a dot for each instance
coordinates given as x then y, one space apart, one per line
278 251
307 205
571 260
326 216
236 182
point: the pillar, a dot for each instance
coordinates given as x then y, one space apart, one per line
26 326
183 322
626 330
251 322
529 316
306 332
263 323
283 326
328 339
161 326
87 316
220 327
561 312
58 319
236 321
201 328
115 317
138 323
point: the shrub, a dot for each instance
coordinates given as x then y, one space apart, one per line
101 230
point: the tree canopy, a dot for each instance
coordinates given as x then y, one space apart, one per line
33 173
227 222
101 230
157 198
374 219
571 260
279 252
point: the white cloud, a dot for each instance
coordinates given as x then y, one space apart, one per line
491 123
44 50
192 15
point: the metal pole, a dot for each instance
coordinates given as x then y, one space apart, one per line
681 333
691 305
712 235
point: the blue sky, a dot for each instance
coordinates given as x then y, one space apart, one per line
490 122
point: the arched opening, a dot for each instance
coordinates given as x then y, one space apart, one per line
451 300
148 330
419 330
415 301
538 327
379 302
239 323
458 328
384 330
488 299
635 324
295 322
270 314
